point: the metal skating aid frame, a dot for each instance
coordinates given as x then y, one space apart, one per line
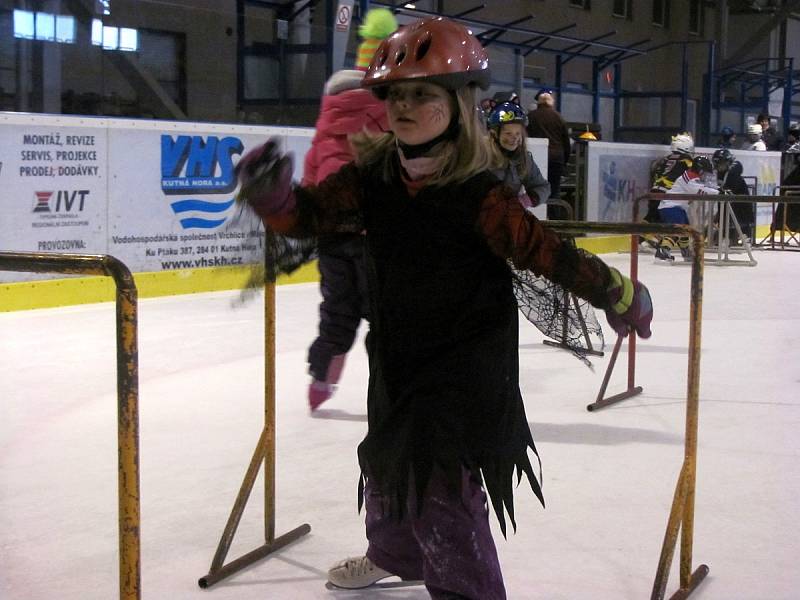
681 517
264 452
127 392
788 239
717 219
722 260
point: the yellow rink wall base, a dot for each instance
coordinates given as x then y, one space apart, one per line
87 290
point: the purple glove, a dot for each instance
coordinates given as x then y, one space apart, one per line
265 178
631 306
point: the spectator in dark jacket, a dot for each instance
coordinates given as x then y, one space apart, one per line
770 135
545 122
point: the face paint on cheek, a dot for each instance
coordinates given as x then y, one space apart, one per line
437 112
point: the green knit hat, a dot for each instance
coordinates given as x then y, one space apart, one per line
378 24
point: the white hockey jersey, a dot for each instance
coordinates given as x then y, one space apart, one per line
759 145
688 183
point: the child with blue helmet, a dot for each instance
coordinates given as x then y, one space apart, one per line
514 164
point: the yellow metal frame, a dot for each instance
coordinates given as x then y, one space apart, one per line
601 400
787 195
264 453
127 392
681 517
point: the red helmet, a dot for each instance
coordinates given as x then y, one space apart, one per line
433 49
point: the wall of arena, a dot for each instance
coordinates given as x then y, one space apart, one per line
159 196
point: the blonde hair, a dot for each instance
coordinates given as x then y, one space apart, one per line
468 154
501 160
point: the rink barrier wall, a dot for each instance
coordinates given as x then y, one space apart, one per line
152 193
617 173
52 293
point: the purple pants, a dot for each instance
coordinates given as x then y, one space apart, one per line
449 545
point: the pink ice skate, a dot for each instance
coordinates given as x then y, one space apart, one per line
320 391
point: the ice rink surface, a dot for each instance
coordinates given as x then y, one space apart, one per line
609 476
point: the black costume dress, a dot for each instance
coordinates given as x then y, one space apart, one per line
443 347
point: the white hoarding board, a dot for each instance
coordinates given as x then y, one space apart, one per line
171 196
156 195
538 149
53 181
618 173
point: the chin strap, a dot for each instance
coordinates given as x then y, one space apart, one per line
416 150
509 153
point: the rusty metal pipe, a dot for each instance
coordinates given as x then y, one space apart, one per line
692 408
129 516
670 537
264 452
254 556
269 412
238 506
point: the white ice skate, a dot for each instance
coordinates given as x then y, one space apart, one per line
356 573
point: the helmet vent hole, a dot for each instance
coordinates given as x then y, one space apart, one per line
400 57
382 59
423 48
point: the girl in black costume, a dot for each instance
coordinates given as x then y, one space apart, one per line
446 418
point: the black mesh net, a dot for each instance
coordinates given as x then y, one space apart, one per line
558 314
280 255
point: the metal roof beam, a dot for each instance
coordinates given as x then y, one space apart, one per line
515 45
486 25
612 57
294 15
469 11
766 27
499 30
544 39
582 47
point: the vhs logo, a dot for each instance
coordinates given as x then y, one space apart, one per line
192 164
197 165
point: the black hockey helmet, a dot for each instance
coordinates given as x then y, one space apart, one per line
701 164
722 155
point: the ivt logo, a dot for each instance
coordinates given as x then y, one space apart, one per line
66 201
194 164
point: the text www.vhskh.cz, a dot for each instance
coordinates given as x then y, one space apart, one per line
217 261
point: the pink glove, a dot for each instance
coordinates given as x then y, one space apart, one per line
528 201
631 306
265 179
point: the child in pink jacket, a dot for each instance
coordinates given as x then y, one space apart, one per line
346 109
